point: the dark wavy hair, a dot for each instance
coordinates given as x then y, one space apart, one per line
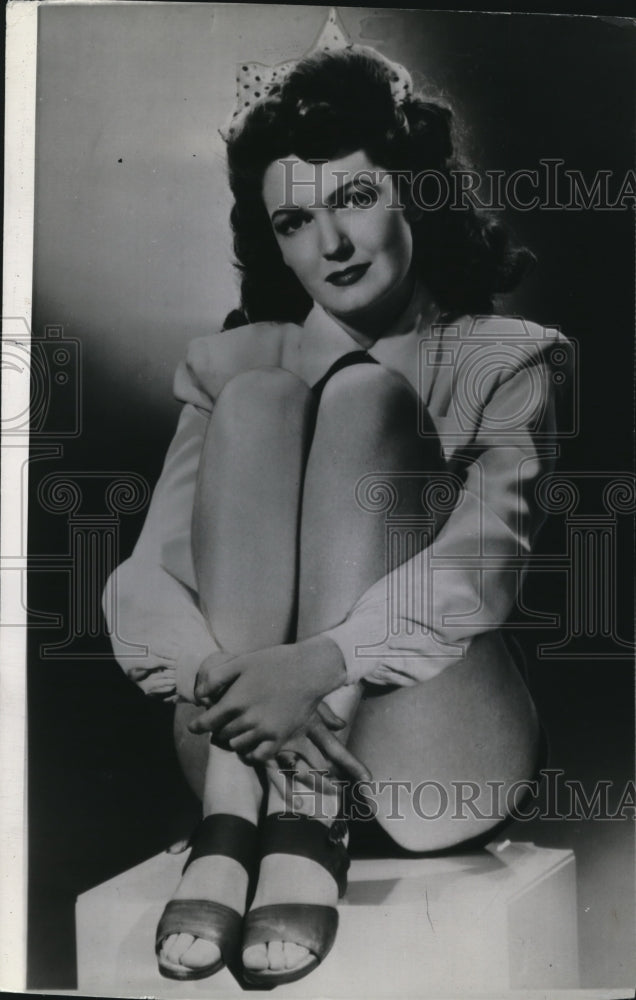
332 104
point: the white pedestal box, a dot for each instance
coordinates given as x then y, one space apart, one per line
496 920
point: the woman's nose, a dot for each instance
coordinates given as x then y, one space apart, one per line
334 241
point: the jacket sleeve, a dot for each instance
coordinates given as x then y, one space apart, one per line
158 633
422 616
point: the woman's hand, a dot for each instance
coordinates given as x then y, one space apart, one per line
259 700
319 750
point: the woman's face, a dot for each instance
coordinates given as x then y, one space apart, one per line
342 233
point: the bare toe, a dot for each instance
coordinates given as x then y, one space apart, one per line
255 957
167 944
175 946
275 956
200 954
295 954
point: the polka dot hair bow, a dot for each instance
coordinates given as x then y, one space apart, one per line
254 80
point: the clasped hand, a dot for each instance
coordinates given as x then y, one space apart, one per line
257 702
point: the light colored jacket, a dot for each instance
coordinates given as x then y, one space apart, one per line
488 383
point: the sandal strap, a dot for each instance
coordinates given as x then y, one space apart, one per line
231 836
291 833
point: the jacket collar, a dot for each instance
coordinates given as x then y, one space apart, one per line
324 340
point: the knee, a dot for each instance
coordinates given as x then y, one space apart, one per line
369 404
368 397
369 385
261 394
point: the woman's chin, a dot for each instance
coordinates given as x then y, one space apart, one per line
348 302
364 312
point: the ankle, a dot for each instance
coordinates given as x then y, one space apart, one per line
299 798
226 806
231 787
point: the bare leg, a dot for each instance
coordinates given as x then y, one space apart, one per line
244 533
245 524
342 551
474 722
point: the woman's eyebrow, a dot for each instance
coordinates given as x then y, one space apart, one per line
286 211
364 180
341 191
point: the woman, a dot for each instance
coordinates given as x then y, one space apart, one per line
342 520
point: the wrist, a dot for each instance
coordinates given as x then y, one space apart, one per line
326 663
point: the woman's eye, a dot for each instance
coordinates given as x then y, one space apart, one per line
290 223
362 197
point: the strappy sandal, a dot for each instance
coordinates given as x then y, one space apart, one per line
312 926
232 837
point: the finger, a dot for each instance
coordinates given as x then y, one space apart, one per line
287 760
214 719
264 752
245 742
211 684
299 764
317 779
309 755
219 737
210 687
235 727
321 763
161 690
338 754
329 717
201 700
